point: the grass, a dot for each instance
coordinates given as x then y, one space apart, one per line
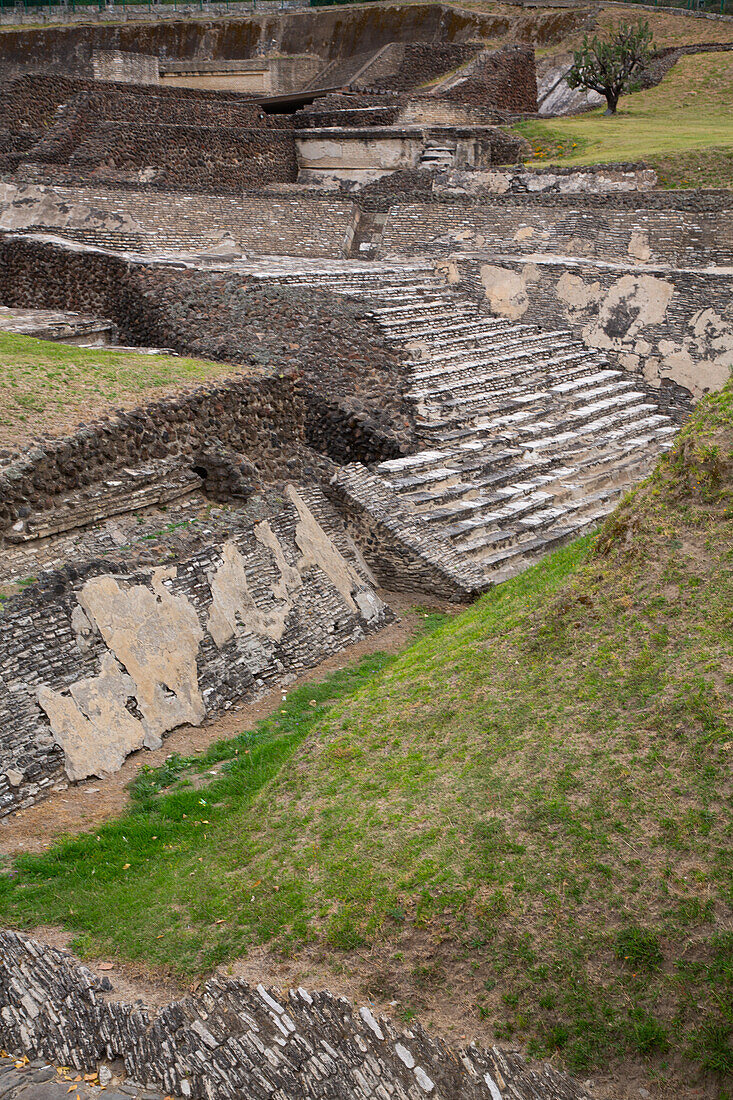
528 809
684 125
46 388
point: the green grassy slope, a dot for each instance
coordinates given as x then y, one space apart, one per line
684 126
533 800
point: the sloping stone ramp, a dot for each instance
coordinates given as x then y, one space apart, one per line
529 438
233 1040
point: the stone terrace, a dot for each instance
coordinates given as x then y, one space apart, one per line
528 437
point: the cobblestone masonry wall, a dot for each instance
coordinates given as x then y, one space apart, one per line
104 130
504 80
417 63
233 1040
670 326
187 158
684 231
327 379
98 661
55 110
141 220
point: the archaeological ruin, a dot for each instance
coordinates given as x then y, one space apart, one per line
443 362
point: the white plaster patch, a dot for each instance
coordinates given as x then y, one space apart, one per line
155 636
233 607
639 248
506 291
632 303
92 724
576 293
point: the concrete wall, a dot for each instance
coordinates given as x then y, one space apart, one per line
335 149
668 326
265 76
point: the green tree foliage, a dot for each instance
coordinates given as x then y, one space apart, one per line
610 68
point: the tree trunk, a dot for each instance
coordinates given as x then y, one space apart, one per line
612 101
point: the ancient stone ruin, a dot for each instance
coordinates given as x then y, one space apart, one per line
443 365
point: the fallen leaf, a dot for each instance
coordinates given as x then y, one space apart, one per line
105 966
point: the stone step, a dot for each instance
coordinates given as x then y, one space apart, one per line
505 339
493 375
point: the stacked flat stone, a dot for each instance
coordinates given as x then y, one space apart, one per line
233 1040
529 438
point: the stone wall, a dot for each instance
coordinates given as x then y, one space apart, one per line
232 1040
685 229
412 64
213 159
324 377
193 141
146 221
673 327
333 150
594 180
331 32
404 555
136 653
504 80
125 68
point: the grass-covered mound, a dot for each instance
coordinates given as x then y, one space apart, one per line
47 388
683 127
533 800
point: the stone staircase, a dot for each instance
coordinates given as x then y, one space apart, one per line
529 438
436 157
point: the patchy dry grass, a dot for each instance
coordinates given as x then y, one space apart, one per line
684 125
48 388
533 800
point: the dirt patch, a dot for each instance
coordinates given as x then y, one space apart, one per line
87 804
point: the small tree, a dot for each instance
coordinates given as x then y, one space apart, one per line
609 68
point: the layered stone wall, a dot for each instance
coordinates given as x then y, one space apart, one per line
686 230
193 142
672 327
136 653
143 220
125 68
412 64
232 1040
188 158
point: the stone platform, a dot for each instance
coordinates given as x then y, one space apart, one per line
64 327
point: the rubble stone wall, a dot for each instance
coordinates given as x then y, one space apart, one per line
149 221
323 374
417 63
137 653
504 80
680 230
188 158
672 327
197 141
233 1040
